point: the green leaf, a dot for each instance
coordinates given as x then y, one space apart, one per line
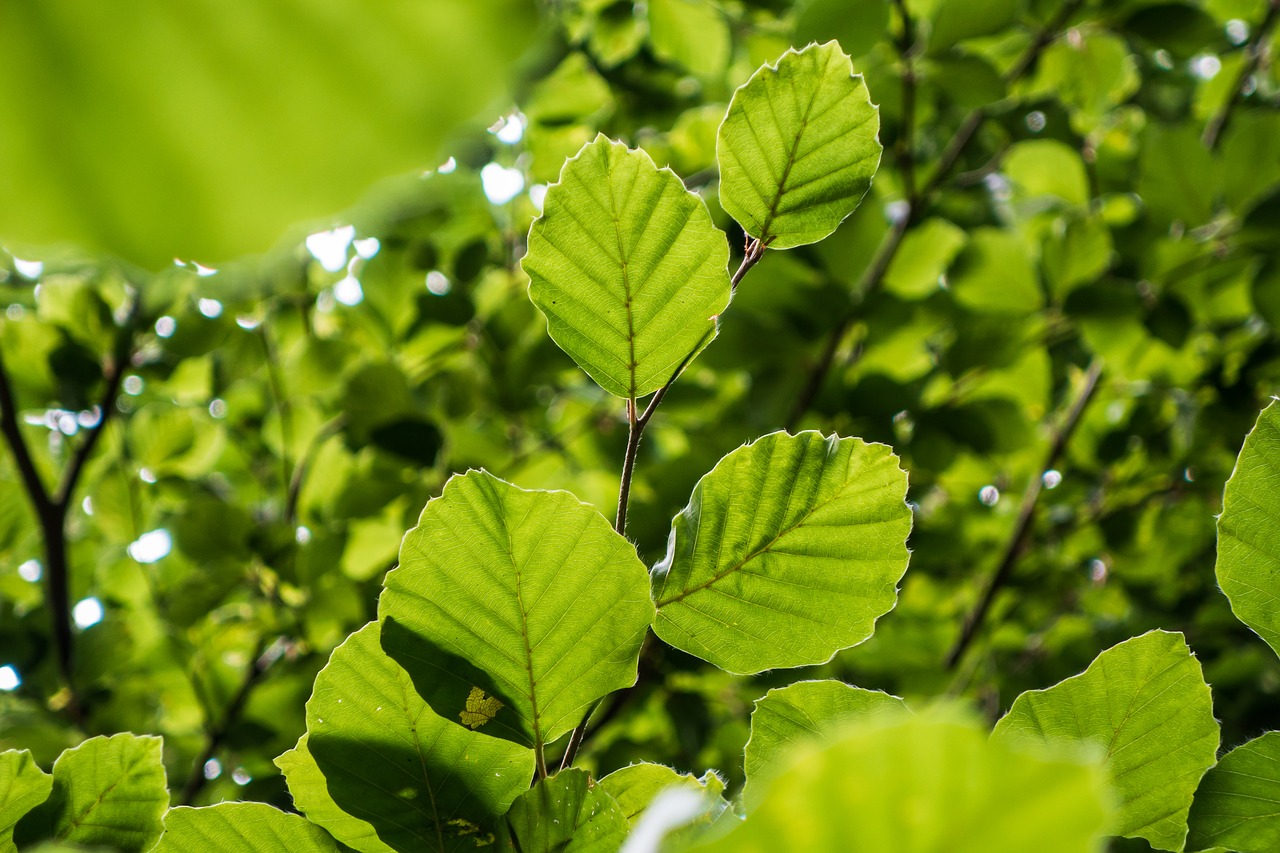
917 269
1145 704
23 786
933 784
1248 566
995 275
532 592
789 551
108 791
310 794
567 813
422 782
806 712
693 34
953 21
1238 803
798 147
856 26
241 828
151 136
635 787
628 268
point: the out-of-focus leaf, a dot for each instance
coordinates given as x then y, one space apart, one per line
420 781
693 34
953 21
628 268
1145 704
566 812
151 135
515 610
108 791
927 251
807 712
789 550
1248 567
995 275
856 26
242 828
798 147
1238 803
934 784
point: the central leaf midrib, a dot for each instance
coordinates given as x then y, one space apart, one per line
786 168
626 279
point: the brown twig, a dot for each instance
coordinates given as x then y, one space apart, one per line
1019 535
1253 53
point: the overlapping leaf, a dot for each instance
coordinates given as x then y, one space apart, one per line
515 610
635 787
788 551
802 713
1248 566
1145 705
385 758
23 786
152 135
798 147
933 784
628 267
108 792
567 812
243 828
310 793
1238 803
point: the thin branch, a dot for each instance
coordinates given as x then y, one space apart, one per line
31 481
1254 51
263 658
634 430
1019 535
331 428
905 145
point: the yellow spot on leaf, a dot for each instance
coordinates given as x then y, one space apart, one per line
480 709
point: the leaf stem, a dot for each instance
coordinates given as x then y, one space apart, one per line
1254 51
1019 535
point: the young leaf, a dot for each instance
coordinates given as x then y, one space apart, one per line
802 713
422 782
798 147
23 786
789 551
526 597
108 792
925 785
310 793
567 812
1238 803
242 827
1248 537
628 267
635 787
1145 704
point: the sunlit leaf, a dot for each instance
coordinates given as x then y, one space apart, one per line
422 782
153 135
531 597
798 147
789 550
628 267
108 791
636 786
1238 803
241 828
804 713
1248 566
1144 704
310 793
23 786
934 784
567 812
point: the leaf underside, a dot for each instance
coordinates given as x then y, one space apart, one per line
243 828
1238 803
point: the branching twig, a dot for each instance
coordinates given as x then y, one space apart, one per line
1253 53
1021 531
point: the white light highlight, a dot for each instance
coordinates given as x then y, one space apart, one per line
28 269
538 195
330 247
510 129
31 571
500 183
9 679
448 167
87 613
1206 66
210 308
151 546
438 283
1051 478
212 769
367 248
989 495
166 326
348 291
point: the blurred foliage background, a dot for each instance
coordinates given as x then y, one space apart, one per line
1059 304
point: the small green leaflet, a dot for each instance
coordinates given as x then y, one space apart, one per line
567 812
789 551
628 268
108 791
1144 704
241 828
798 147
1248 566
1238 802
